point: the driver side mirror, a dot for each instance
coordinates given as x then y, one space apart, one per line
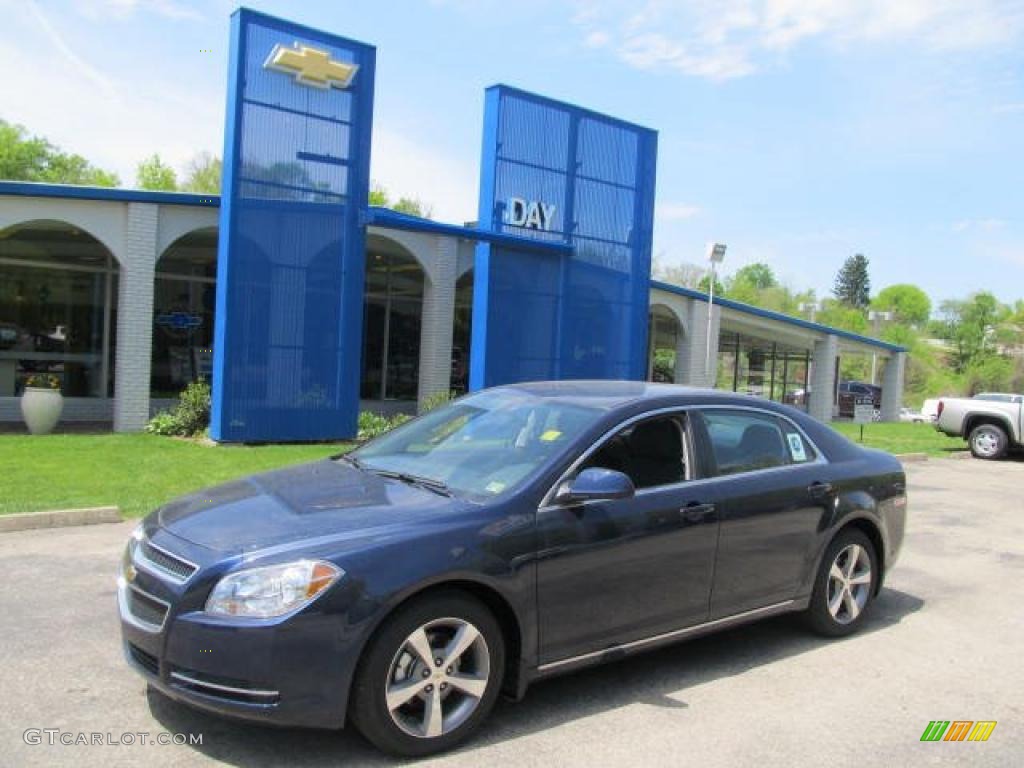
596 484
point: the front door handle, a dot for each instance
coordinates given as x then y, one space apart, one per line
694 512
819 490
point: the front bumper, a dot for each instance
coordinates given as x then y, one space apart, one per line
294 671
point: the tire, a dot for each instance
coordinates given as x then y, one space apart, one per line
410 726
834 611
988 441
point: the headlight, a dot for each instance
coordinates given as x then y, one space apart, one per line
274 590
127 564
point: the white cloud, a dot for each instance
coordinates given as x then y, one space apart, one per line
721 39
83 109
676 211
978 225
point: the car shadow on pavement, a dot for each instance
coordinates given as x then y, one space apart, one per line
658 678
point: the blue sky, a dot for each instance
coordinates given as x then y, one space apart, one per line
796 131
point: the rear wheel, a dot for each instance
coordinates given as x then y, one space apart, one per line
430 676
988 441
845 586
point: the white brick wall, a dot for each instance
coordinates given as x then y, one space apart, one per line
823 378
438 319
75 409
135 318
691 349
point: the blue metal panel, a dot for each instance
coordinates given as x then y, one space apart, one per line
291 265
69 192
581 314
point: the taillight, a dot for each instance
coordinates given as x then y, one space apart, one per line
938 411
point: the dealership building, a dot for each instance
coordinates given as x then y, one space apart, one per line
302 304
114 290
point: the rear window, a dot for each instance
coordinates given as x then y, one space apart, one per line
746 441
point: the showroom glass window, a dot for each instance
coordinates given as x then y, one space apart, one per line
392 322
763 368
184 298
58 309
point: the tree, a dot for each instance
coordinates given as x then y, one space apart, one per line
409 205
971 327
685 274
203 175
758 275
153 174
908 303
853 286
32 158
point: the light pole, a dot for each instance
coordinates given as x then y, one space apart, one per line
716 252
875 317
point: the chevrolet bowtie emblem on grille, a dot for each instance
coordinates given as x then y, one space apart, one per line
311 66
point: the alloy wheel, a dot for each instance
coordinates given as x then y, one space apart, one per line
849 583
437 678
986 442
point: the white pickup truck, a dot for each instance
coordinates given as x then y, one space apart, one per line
992 424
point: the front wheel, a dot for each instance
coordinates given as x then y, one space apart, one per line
430 676
845 586
988 441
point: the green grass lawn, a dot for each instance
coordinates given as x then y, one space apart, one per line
903 438
134 472
139 472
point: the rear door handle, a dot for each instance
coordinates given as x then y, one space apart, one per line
694 512
819 490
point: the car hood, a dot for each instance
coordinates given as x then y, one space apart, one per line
323 500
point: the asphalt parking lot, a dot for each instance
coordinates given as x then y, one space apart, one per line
943 643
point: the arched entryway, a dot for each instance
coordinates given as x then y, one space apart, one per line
184 299
58 308
665 331
392 320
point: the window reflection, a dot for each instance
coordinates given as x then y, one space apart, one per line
392 320
58 309
184 298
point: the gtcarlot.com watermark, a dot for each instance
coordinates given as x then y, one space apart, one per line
57 737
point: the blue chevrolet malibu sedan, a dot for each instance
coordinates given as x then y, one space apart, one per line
516 533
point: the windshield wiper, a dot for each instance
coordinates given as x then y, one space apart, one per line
429 483
350 459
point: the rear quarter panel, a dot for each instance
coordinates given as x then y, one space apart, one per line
870 487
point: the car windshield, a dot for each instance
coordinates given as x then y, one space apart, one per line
480 445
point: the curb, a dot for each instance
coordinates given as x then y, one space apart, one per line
59 518
911 457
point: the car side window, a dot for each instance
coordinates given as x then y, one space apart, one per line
651 452
745 441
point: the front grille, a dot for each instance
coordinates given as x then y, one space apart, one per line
176 568
147 661
145 609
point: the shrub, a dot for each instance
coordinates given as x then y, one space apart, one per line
189 418
436 400
373 424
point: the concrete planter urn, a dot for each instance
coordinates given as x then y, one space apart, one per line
41 405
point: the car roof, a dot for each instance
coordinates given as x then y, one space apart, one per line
630 397
607 394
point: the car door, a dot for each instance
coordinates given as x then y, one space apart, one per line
614 571
774 496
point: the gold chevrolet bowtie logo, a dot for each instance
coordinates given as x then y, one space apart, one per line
311 66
